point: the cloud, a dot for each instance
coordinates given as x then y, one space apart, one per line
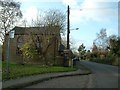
96 10
30 13
39 0
67 1
105 0
70 2
112 32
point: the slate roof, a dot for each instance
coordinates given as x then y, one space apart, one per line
35 30
24 30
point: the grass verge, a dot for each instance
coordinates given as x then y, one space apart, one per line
17 70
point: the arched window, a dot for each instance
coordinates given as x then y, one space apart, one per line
19 45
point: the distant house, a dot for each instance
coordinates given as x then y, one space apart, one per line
21 37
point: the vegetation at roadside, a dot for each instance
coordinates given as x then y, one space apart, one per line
103 61
105 50
17 70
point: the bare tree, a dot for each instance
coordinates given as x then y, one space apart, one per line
36 47
9 13
82 51
53 22
102 40
38 41
94 50
54 17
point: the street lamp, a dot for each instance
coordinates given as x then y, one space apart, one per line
10 36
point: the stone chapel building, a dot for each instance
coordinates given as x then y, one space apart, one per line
46 33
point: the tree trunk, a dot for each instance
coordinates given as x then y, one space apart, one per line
3 53
54 50
45 59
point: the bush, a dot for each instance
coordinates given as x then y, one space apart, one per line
107 60
28 52
116 62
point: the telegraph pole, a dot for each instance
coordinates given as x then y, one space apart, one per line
68 27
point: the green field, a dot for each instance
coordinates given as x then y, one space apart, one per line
17 70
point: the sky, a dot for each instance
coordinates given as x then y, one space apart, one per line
90 16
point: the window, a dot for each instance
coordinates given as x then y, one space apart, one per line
19 45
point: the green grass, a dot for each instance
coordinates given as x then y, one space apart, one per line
17 70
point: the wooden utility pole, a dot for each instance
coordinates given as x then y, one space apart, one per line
68 27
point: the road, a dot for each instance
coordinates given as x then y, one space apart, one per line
63 82
104 76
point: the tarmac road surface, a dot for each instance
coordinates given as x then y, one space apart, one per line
64 82
105 76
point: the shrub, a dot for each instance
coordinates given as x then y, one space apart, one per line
116 62
28 52
107 60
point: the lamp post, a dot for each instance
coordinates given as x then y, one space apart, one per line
10 36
